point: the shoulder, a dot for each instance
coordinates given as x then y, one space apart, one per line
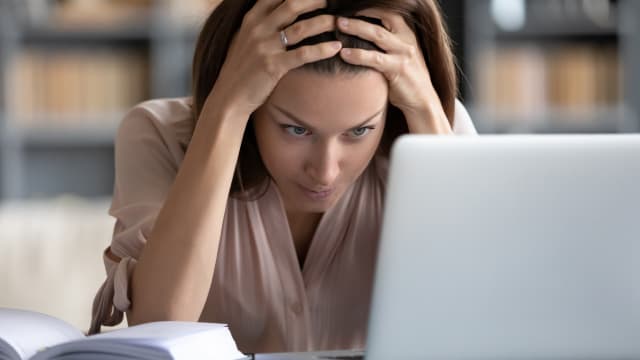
149 148
170 120
462 123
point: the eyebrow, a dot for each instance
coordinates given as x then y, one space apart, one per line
307 126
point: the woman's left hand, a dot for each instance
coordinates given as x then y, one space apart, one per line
403 65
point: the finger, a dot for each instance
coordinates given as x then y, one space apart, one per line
391 21
289 10
308 54
309 27
374 33
384 63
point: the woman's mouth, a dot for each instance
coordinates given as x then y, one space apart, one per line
317 194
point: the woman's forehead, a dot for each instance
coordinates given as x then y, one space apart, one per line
346 99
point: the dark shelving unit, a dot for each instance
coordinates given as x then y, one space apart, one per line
548 30
52 160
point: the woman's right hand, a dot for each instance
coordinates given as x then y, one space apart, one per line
257 59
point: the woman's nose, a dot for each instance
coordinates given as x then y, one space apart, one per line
324 165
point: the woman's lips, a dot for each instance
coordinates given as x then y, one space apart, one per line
320 194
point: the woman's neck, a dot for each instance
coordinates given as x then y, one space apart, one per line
303 226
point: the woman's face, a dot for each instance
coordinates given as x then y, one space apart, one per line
317 133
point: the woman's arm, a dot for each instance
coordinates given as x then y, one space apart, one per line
172 277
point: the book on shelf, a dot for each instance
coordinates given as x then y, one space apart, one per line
512 81
82 13
49 88
109 14
28 335
99 14
521 81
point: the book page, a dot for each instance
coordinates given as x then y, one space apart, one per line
183 340
156 340
28 331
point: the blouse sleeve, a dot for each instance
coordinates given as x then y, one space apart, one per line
146 162
462 124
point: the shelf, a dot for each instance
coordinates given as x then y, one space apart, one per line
138 32
142 30
553 20
602 120
66 136
535 28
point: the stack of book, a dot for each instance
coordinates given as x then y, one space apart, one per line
34 336
72 87
523 80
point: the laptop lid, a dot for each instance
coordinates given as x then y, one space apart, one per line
510 247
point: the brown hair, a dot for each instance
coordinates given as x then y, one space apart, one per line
423 17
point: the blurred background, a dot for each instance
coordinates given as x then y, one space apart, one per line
69 69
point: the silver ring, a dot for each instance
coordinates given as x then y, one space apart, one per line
283 39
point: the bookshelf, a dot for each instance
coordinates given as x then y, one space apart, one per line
552 66
69 71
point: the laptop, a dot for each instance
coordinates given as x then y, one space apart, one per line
507 247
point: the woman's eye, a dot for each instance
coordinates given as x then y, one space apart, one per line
360 132
295 130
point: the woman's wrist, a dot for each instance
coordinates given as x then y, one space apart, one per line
223 112
428 119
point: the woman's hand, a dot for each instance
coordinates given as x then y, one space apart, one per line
410 87
257 58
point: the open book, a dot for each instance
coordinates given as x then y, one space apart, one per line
34 336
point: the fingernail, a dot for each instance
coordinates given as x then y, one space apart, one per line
346 52
336 45
343 22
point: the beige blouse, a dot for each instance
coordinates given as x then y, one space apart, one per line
270 303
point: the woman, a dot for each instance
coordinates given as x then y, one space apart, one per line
258 202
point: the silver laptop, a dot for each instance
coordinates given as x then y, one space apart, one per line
508 247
